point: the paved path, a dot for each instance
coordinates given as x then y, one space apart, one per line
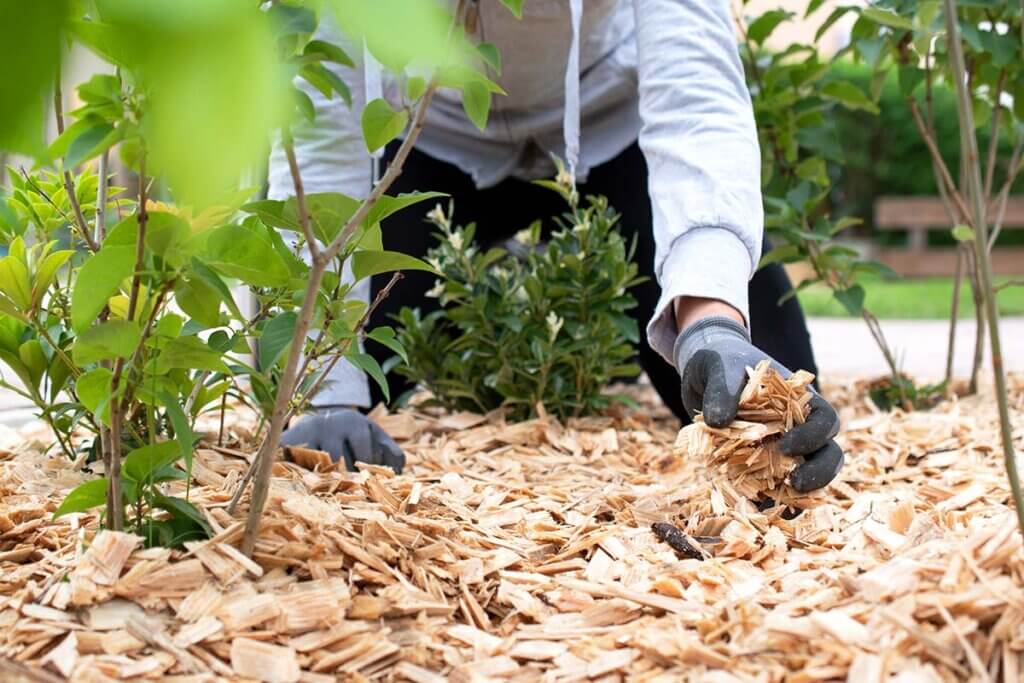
842 346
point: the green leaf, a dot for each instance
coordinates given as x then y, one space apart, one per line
199 299
47 272
189 353
515 7
887 18
111 339
849 95
762 27
910 77
98 279
382 124
327 52
388 204
89 144
141 463
368 263
415 87
326 81
489 53
34 360
182 509
276 336
835 16
386 336
14 282
476 101
785 253
211 278
166 235
247 255
852 299
93 389
369 365
963 233
182 429
90 494
815 170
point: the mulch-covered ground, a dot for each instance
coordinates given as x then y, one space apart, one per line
526 552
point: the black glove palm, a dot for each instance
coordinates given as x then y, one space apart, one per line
346 434
713 356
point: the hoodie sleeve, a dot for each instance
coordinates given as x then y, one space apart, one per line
700 141
332 157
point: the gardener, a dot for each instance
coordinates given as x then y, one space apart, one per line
652 111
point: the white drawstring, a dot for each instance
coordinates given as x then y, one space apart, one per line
373 82
571 118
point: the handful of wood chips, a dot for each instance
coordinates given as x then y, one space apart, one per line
746 452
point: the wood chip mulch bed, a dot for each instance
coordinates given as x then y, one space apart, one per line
540 551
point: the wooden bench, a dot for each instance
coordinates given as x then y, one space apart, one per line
919 215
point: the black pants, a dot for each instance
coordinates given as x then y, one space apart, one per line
501 211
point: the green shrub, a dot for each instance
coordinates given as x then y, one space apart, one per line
550 326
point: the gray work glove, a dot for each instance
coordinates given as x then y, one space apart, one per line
348 434
712 356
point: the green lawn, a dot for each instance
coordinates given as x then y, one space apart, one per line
919 298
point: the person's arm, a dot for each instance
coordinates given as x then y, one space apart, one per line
332 157
700 141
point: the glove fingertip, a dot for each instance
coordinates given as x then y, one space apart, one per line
819 469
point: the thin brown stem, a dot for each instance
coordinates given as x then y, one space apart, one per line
954 313
300 193
938 162
289 379
1004 193
299 405
965 112
993 141
117 406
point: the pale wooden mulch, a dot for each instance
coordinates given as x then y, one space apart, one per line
526 552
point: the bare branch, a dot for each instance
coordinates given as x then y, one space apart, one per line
993 141
1004 193
965 112
300 194
938 162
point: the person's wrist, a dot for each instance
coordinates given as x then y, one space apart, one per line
710 331
691 309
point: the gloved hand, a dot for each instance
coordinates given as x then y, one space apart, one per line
712 356
348 434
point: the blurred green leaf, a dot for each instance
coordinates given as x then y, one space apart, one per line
489 53
887 18
849 95
215 87
762 27
852 299
397 32
514 6
30 44
386 336
963 233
